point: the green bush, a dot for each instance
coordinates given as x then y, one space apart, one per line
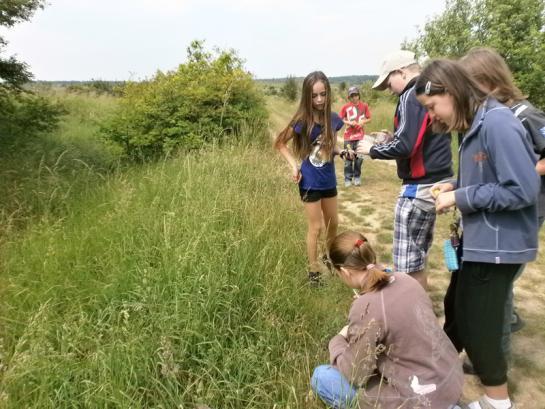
25 114
289 89
206 99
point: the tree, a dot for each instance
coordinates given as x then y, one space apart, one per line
13 73
22 112
289 90
515 28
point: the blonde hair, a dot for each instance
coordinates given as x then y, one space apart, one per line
490 70
351 249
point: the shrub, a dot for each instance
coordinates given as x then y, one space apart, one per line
289 90
206 99
25 114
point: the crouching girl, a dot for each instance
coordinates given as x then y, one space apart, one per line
392 353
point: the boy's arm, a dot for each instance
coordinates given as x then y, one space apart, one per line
366 117
412 118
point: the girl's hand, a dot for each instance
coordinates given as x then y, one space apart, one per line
444 201
344 331
441 188
296 175
347 154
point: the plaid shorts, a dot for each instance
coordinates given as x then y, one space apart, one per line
413 235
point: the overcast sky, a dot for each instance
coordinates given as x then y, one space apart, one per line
131 39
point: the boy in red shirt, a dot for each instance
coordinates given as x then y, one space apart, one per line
355 114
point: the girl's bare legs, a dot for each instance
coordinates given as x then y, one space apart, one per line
313 210
331 218
325 209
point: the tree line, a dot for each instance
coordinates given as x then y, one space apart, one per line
515 28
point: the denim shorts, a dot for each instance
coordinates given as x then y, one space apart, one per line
313 195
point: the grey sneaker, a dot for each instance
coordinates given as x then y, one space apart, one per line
357 182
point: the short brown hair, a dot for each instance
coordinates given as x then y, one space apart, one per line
488 68
352 249
443 76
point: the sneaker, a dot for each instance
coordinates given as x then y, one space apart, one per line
315 279
347 183
357 182
517 323
483 404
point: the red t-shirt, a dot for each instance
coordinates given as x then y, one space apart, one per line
354 112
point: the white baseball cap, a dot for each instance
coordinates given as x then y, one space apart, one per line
394 61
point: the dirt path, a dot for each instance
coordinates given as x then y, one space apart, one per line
370 209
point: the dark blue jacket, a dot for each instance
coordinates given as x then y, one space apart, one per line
497 189
422 156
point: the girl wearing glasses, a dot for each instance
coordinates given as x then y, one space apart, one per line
496 193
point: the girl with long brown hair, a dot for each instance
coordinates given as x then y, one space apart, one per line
493 76
312 131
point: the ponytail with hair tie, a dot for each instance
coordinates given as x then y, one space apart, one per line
359 243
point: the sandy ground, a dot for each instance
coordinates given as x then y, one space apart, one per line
373 203
370 208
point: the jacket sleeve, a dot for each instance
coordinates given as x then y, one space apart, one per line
517 182
411 117
534 123
356 356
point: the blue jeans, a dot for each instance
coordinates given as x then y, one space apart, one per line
352 168
333 388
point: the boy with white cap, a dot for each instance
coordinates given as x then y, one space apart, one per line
423 159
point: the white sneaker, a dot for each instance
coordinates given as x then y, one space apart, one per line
347 183
357 182
483 404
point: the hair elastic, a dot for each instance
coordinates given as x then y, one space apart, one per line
358 243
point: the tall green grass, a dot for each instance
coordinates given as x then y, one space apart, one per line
39 174
167 285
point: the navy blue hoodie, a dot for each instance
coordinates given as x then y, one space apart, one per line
422 156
